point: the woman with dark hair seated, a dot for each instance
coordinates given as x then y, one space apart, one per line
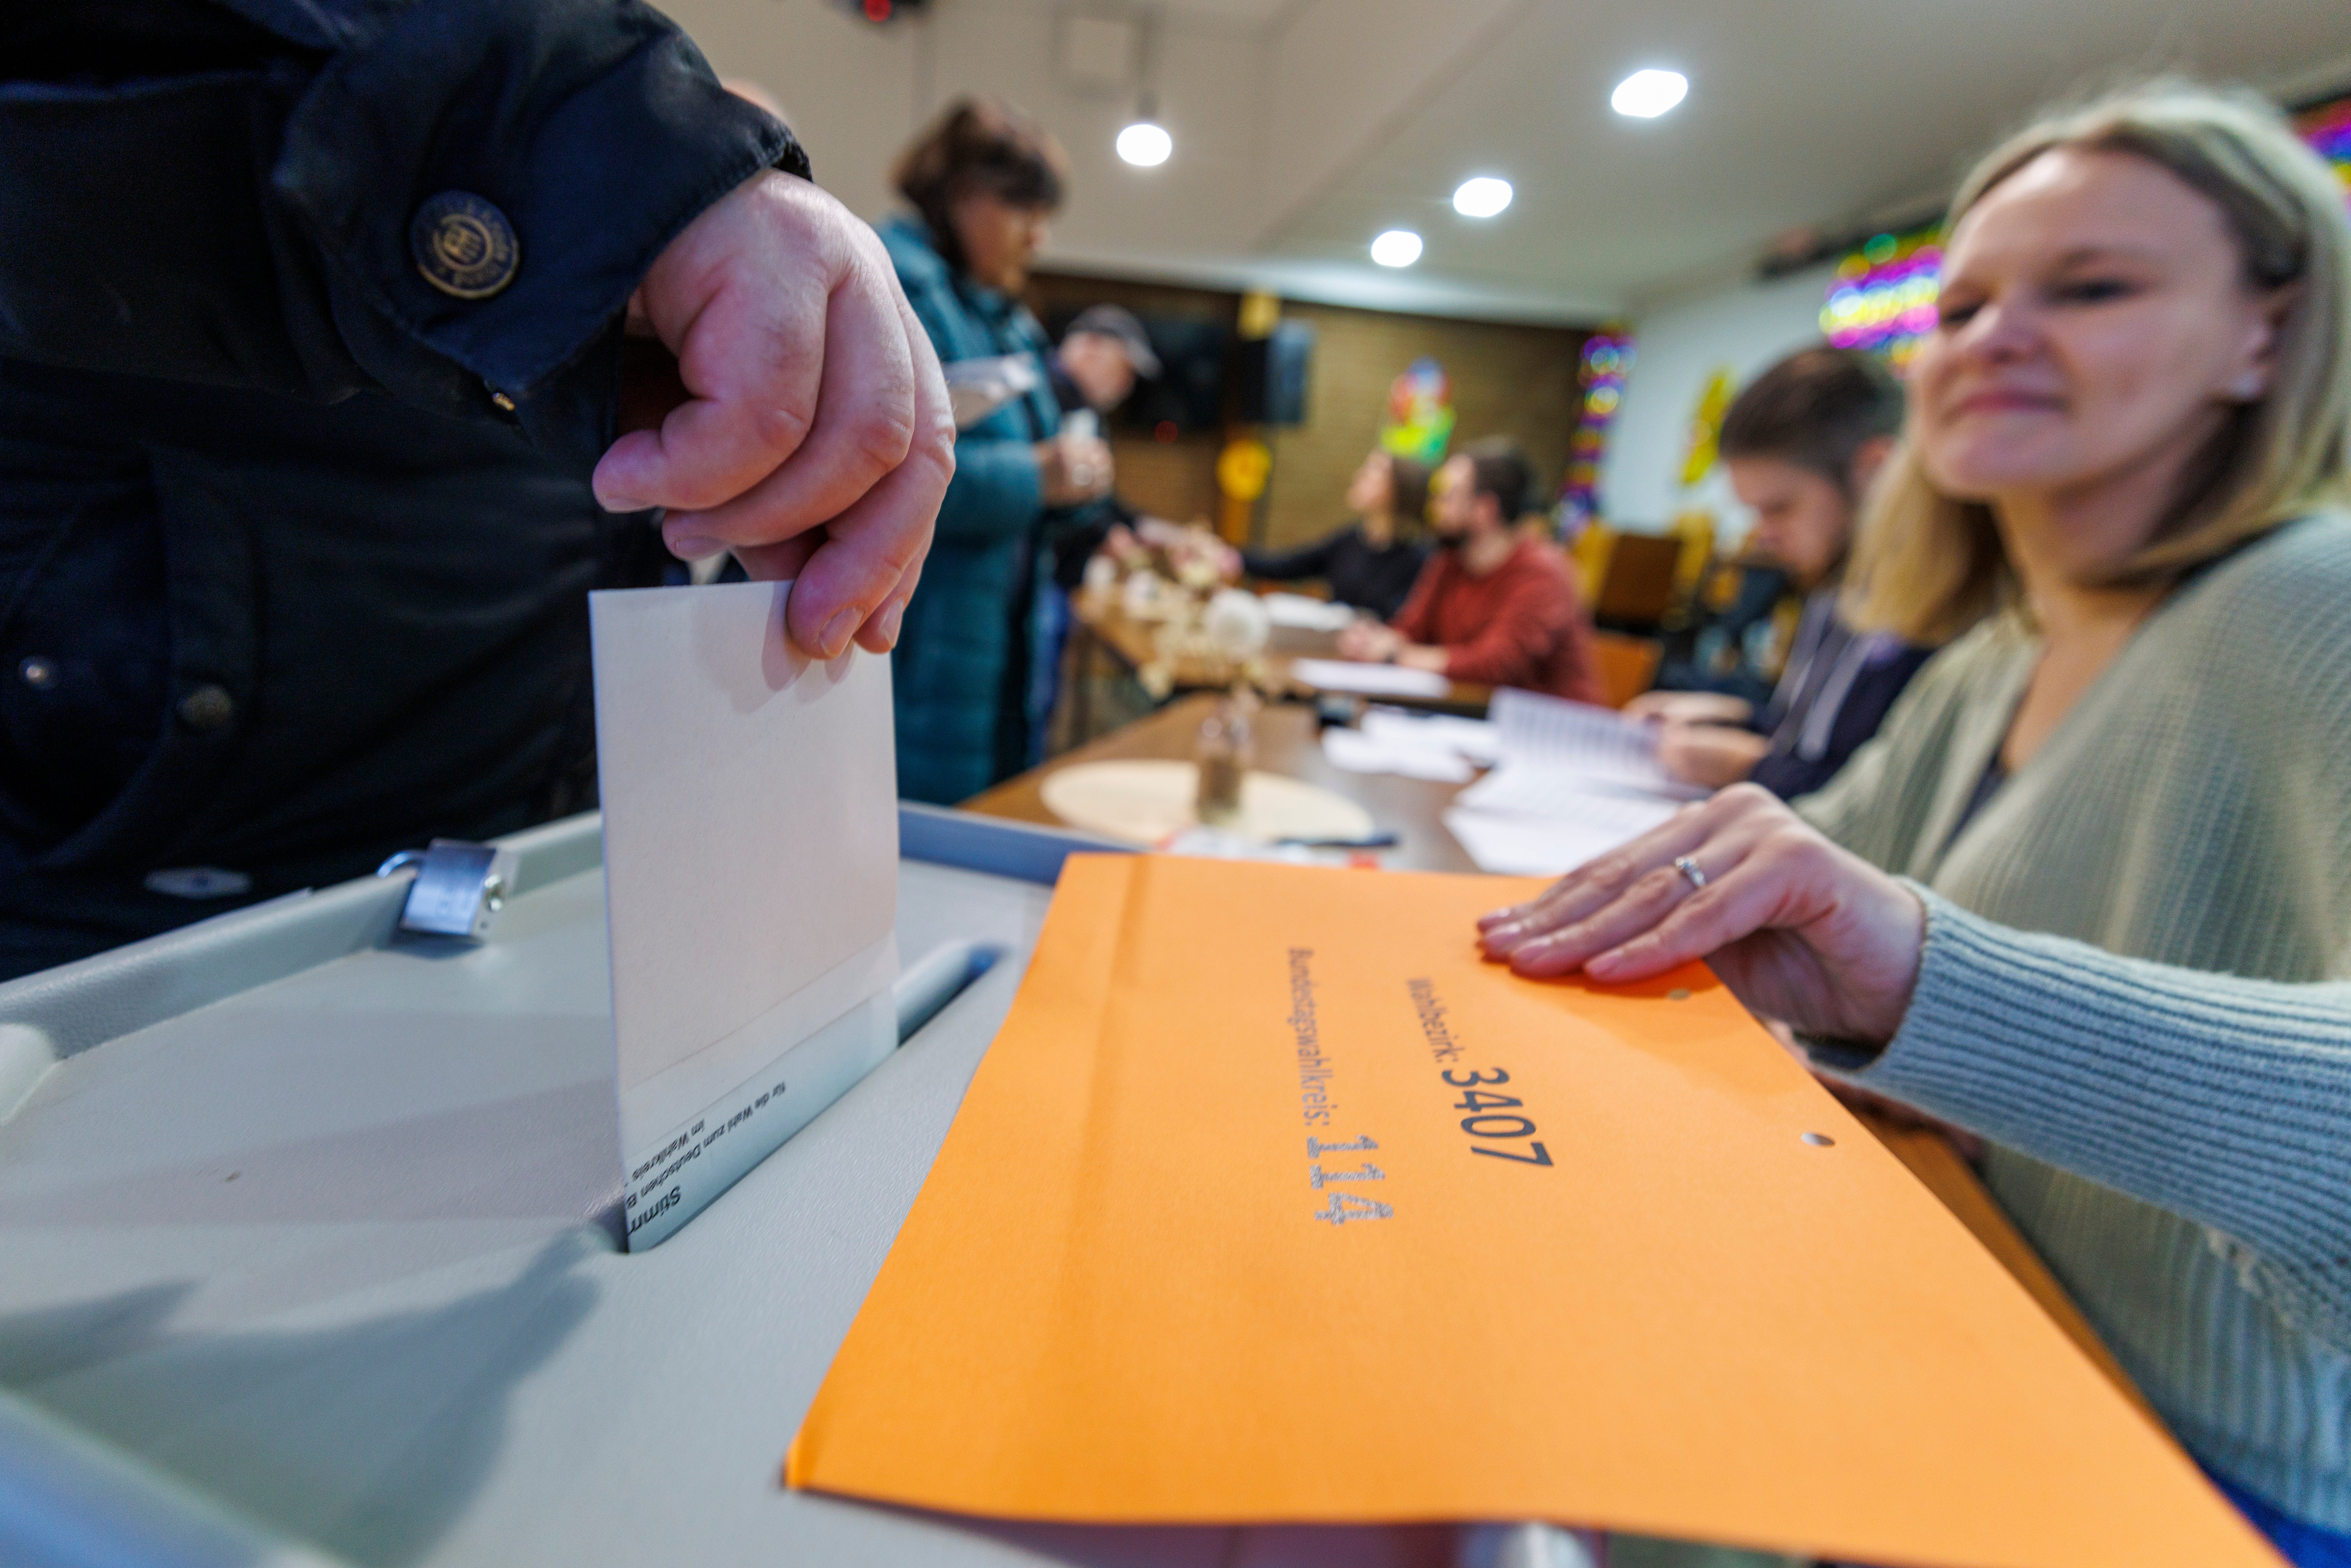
1374 561
983 181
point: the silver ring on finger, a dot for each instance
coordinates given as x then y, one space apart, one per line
1690 870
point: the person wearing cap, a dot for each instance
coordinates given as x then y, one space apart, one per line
1104 351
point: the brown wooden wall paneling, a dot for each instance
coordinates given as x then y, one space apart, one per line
1175 479
1509 379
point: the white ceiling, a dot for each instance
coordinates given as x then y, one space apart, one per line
1304 127
1257 12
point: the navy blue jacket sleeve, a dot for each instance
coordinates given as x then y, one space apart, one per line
223 192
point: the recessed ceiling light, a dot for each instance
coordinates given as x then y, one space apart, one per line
1481 197
1645 95
1145 143
1396 247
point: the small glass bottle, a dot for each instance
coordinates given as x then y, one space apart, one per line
1223 751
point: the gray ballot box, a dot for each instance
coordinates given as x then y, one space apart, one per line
308 1248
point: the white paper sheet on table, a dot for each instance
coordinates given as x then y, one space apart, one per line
1573 781
1372 680
750 874
1581 738
1545 790
1475 739
1511 845
1358 751
1298 612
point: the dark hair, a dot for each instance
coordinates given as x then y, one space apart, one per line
1498 467
1816 409
979 146
1407 492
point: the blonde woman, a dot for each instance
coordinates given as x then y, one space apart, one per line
2085 894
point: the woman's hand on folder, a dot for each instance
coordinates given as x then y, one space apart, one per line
1798 928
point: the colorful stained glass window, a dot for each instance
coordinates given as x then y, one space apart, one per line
1882 297
1607 360
2328 129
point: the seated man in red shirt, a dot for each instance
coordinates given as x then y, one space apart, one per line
1489 606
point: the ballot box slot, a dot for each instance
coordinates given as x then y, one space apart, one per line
741 1130
926 986
338 1124
1020 850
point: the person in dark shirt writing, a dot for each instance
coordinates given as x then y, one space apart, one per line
1802 445
1374 561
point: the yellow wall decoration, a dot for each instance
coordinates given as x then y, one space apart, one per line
1706 426
1243 469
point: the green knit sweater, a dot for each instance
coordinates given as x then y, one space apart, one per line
2177 1146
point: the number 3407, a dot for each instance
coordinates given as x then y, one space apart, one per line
1494 1117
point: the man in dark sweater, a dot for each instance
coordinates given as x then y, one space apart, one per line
1802 445
1490 606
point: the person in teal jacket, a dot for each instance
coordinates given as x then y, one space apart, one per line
983 182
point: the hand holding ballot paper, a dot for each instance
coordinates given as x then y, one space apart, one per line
750 859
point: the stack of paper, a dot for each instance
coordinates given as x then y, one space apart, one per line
1531 845
1597 745
1478 739
1573 781
1418 745
1359 752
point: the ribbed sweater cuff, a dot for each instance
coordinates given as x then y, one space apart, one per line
2221 1099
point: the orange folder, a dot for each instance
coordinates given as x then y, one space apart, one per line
1273 1203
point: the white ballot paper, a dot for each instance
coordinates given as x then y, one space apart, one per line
1296 611
750 879
1373 680
1360 752
1513 845
1573 781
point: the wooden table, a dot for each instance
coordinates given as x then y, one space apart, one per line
1288 743
1100 624
1101 627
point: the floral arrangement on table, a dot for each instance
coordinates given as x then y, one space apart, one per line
1177 581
